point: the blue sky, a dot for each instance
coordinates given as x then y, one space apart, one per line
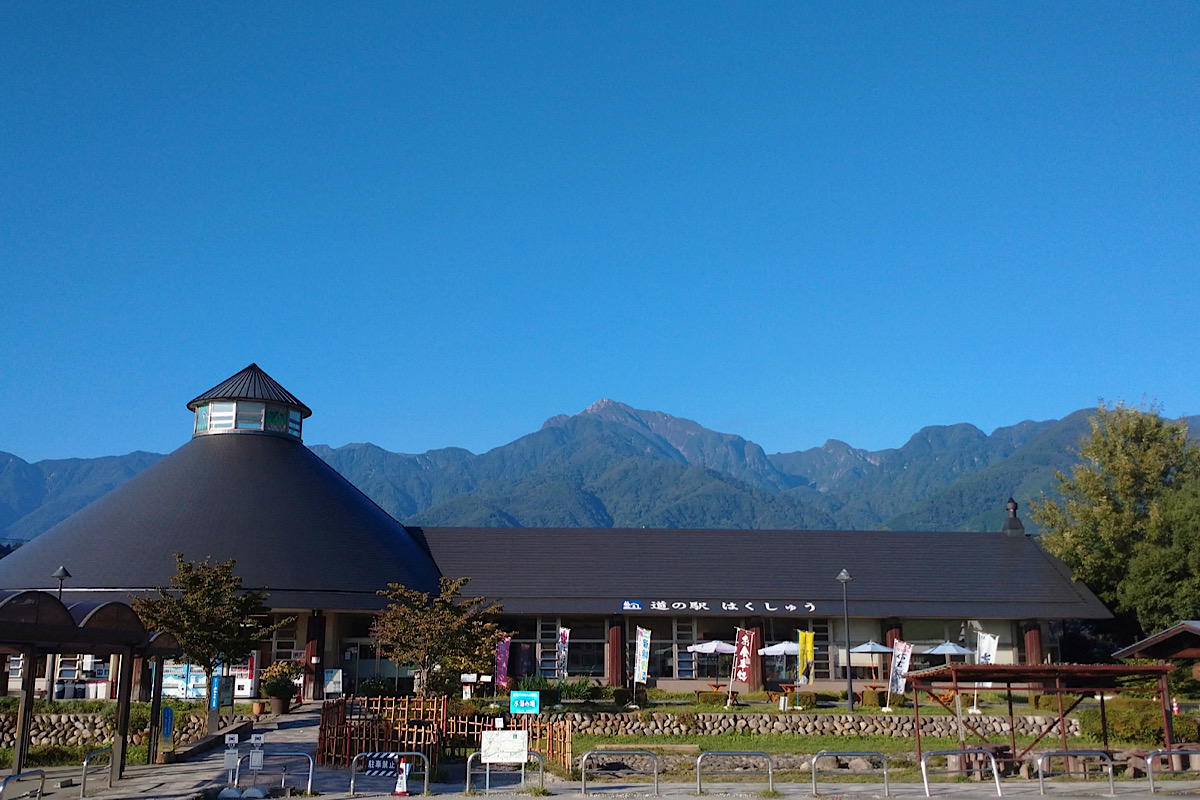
439 224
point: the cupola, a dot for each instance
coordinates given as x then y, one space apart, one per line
249 402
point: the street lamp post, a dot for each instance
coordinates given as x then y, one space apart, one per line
59 575
844 578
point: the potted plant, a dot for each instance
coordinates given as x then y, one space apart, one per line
276 682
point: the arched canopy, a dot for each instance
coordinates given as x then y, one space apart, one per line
33 620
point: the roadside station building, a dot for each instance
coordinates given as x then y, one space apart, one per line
245 487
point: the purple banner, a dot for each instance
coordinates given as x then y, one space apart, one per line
502 661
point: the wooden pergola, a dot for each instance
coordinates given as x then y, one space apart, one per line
1080 680
36 623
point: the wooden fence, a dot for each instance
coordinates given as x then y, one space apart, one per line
351 725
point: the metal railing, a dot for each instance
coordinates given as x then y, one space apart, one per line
88 760
487 785
770 766
887 789
583 766
1100 754
1153 757
21 775
393 754
237 773
970 752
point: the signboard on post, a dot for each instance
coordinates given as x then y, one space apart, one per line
524 703
505 747
641 667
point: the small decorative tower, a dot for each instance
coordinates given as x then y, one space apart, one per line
1012 526
249 402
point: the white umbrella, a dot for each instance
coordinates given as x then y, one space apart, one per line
781 649
873 647
712 647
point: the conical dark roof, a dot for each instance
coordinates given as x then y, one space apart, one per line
293 524
251 384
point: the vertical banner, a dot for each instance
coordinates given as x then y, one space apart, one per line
985 652
901 657
564 637
806 655
743 656
641 663
502 649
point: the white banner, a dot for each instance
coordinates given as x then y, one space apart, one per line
985 652
901 656
641 661
564 638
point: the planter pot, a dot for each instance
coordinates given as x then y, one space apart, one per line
257 707
279 705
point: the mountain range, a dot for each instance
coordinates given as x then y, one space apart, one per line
615 466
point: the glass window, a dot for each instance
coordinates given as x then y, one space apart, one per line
249 415
522 628
201 418
585 658
294 423
587 628
276 419
220 416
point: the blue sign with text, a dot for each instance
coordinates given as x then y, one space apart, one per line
524 703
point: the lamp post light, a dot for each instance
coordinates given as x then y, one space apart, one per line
60 575
844 578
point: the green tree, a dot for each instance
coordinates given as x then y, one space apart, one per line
440 637
1109 513
208 612
1163 586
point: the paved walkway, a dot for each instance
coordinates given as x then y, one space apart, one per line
297 732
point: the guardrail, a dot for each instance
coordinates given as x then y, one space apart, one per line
487 786
887 791
1157 754
20 775
770 766
237 773
970 752
87 760
1042 772
391 754
583 766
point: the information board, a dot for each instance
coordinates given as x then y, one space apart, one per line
524 703
505 747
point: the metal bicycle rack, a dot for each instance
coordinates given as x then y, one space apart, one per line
1100 754
583 765
88 760
970 751
237 773
31 773
391 754
1155 755
770 766
487 786
887 789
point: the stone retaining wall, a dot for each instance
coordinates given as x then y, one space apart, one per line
98 730
666 724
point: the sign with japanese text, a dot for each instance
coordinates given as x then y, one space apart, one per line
641 666
524 703
901 657
502 661
806 647
782 607
564 639
743 656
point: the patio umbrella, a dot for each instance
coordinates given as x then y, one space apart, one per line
712 647
873 647
781 649
948 649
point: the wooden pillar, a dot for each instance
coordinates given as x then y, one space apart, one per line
3 675
756 661
25 711
141 679
1033 643
614 667
314 657
893 633
155 710
124 695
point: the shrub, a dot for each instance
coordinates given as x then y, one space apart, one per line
533 683
805 699
1133 722
376 687
621 696
578 690
872 698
